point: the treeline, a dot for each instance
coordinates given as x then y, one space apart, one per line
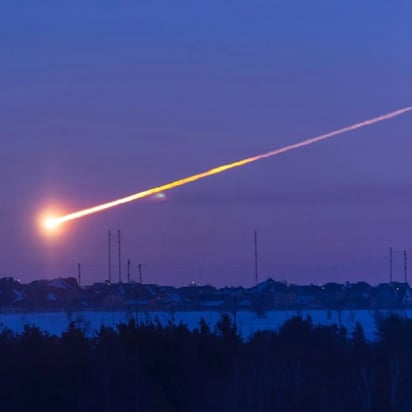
150 367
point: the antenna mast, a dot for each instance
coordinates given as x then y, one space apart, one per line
120 256
78 273
405 266
256 259
110 255
140 273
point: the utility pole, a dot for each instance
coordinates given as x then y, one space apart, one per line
120 256
256 259
405 267
78 274
128 270
140 273
110 255
390 264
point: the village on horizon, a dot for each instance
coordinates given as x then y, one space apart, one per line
67 294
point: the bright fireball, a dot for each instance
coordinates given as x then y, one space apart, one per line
51 223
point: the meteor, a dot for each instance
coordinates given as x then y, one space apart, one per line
53 223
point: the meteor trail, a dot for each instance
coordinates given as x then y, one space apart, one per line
53 222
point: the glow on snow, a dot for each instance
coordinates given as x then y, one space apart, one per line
52 223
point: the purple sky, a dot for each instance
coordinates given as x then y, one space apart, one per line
104 99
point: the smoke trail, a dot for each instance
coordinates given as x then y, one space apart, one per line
53 222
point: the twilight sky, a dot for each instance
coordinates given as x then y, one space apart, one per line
101 99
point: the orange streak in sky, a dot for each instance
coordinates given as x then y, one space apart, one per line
220 169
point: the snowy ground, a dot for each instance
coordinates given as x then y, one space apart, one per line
247 322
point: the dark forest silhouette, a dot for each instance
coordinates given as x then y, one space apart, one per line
150 367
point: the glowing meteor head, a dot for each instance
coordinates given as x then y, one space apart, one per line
51 223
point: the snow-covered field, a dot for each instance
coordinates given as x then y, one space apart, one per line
247 322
